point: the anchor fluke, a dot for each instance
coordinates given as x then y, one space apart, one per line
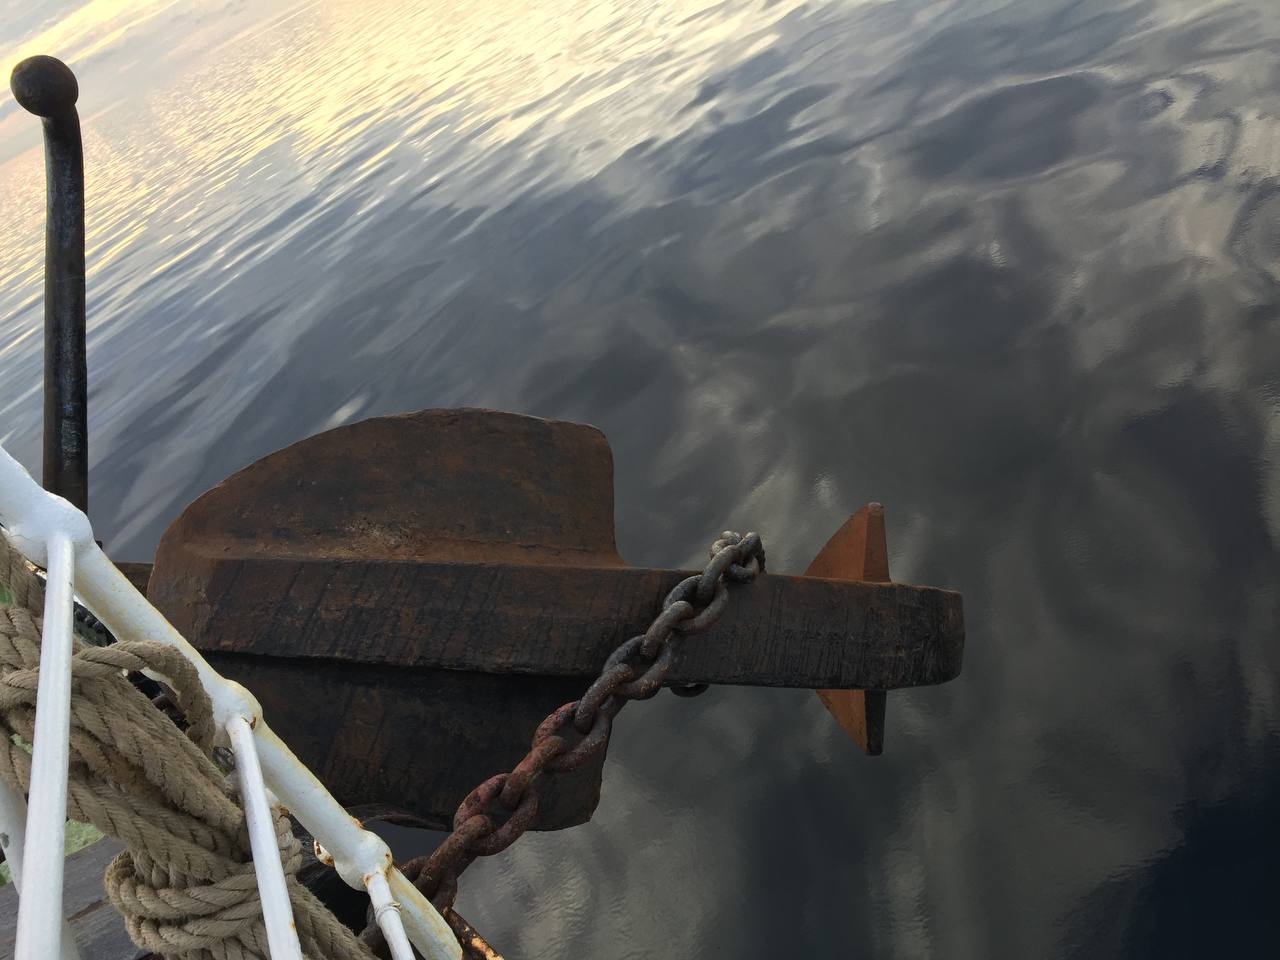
857 551
46 87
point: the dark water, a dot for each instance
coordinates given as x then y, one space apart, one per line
1011 268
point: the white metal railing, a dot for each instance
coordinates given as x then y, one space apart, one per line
53 534
13 826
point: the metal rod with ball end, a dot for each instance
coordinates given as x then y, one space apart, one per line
46 87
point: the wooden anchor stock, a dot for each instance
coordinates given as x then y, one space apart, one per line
410 596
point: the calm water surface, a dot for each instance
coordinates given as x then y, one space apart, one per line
1011 268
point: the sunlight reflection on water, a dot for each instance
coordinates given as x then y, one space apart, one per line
1009 268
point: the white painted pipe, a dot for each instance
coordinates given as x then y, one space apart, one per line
30 515
277 912
356 852
13 826
40 911
386 911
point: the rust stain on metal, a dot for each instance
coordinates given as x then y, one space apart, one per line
323 855
857 551
474 946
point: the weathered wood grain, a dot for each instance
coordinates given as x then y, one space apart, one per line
98 929
421 738
560 621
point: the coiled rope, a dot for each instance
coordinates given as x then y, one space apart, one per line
185 883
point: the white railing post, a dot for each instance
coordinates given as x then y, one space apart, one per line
277 912
40 911
13 827
358 855
31 517
386 911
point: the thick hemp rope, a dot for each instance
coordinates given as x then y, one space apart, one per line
185 884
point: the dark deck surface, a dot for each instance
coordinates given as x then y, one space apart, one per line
97 927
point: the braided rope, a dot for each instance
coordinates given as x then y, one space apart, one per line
185 883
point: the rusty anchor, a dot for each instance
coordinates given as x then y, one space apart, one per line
409 596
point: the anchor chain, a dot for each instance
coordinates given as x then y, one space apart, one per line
496 813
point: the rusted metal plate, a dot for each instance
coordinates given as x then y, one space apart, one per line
857 551
457 486
409 596
451 487
474 946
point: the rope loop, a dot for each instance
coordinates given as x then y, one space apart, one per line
185 883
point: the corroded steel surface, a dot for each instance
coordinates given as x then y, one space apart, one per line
409 596
450 486
458 488
474 946
857 551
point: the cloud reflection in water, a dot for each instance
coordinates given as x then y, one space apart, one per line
1010 268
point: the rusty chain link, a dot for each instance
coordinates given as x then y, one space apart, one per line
496 813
